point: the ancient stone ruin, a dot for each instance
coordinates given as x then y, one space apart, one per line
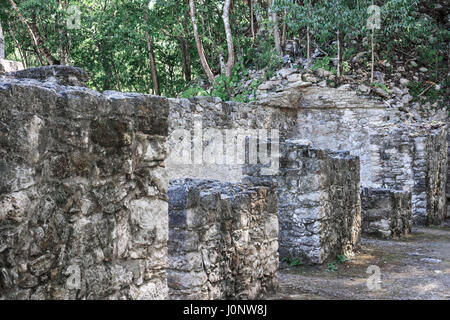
319 207
405 157
129 196
386 212
223 240
83 193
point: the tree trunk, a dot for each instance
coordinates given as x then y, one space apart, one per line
152 59
226 21
373 54
19 47
185 52
119 87
62 55
276 30
252 24
108 74
199 45
308 48
185 59
308 39
373 58
283 35
36 37
2 43
339 55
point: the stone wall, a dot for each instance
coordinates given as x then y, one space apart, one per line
9 66
63 75
341 120
83 204
216 127
398 156
385 212
318 202
413 159
222 240
448 168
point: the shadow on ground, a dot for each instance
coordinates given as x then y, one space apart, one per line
416 267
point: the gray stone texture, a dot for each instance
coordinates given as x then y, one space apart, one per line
318 202
385 213
448 168
409 157
83 203
63 75
9 66
413 158
223 240
213 113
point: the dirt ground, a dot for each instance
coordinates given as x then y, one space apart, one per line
415 267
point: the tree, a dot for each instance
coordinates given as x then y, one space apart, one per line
199 45
2 42
276 31
35 35
153 69
226 21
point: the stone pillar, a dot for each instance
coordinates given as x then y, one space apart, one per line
318 201
223 240
448 169
386 212
83 205
413 159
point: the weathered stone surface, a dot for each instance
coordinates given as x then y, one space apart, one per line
220 127
385 212
448 168
413 158
83 204
9 66
223 240
405 157
318 202
63 75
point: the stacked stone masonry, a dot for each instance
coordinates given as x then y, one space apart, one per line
84 182
223 240
318 202
413 159
407 157
218 125
448 169
83 193
385 213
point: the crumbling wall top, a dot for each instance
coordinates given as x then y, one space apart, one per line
63 75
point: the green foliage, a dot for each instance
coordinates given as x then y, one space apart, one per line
341 258
244 97
405 29
193 92
382 86
112 45
424 92
332 266
263 56
324 63
292 261
222 87
225 87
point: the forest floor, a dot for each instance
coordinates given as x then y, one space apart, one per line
414 267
